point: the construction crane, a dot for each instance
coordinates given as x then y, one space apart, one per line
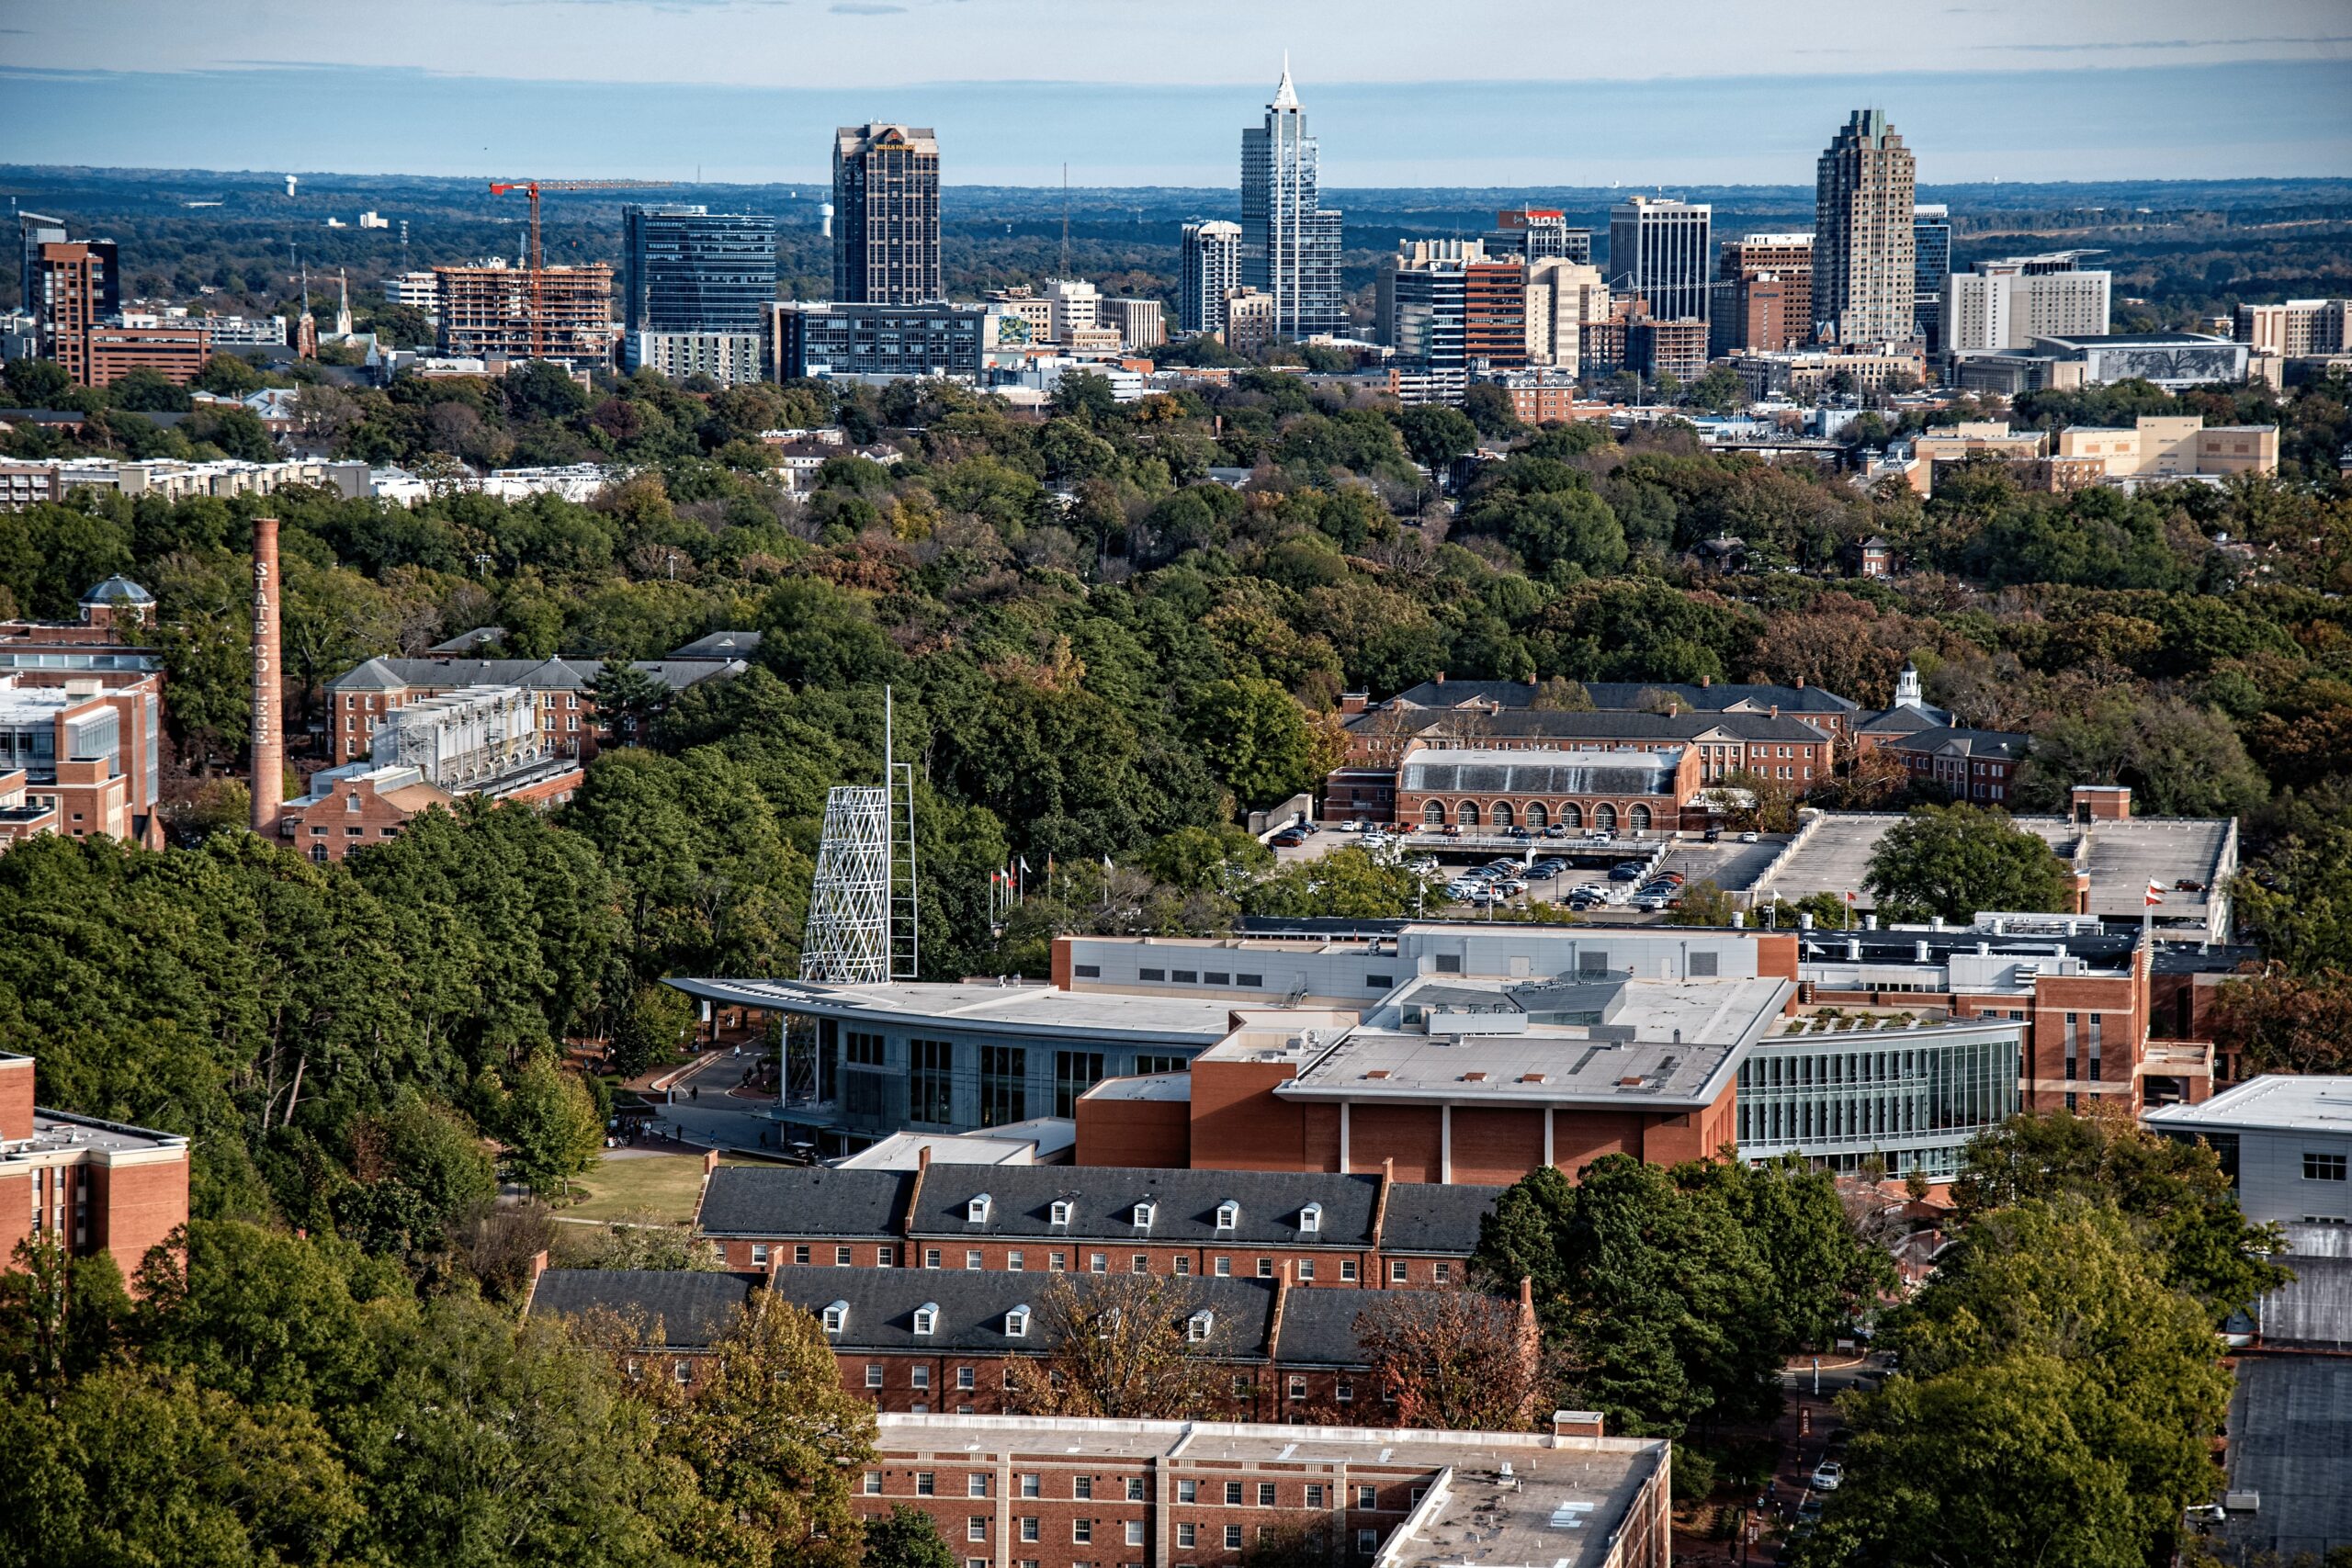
532 188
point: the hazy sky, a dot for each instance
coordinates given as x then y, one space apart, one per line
1154 91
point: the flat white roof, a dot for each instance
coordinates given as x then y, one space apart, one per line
2276 1103
1003 1010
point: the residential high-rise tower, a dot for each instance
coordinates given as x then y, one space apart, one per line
1930 272
1863 253
1289 242
1212 269
886 222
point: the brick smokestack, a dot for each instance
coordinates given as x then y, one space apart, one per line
269 697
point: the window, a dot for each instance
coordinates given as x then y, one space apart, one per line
1252 982
1081 1487
975 1527
1031 1487
975 1211
1229 1214
759 1254
837 1317
885 1257
1224 1268
1135 1532
1087 971
801 1255
1183 1265
1233 1494
1004 1085
1310 1218
1343 1392
1233 1537
1016 1323
1075 1072
1297 1386
684 1371
931 1258
1442 1273
1152 1063
1188 1535
1398 1272
1315 1497
1081 1531
1265 1493
1141 1215
2324 1168
861 1050
1012 1260
1135 1488
926 1483
1306 1270
1139 1263
972 1258
1379 982
927 1318
1367 1542
841 1257
1028 1529
1159 975
1057 1261
1096 1263
1188 1492
1184 976
1265 1267
1348 1270
1198 1327
931 1082
873 1483
921 1377
1060 1213
1367 1497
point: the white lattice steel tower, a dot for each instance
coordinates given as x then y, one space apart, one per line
862 924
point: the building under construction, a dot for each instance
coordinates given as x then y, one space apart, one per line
487 313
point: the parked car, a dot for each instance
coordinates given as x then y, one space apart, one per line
1676 877
1545 870
1827 1475
1751 836
1586 897
1453 830
1597 835
1289 839
1556 830
1376 840
1713 836
1354 825
1647 902
1520 833
1627 871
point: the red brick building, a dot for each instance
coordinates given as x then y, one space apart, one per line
1318 1229
91 1186
360 701
1975 765
82 708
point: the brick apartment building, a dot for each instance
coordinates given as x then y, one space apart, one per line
88 340
917 1342
1975 765
1012 1492
81 721
92 1186
1321 1229
360 700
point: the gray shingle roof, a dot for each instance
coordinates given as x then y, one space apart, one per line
972 1307
1610 725
779 1201
1428 1218
1103 1197
719 645
1996 743
564 672
1623 694
1319 1328
690 1309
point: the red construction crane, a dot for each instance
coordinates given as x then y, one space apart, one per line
532 188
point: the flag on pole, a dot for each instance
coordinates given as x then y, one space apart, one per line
2156 894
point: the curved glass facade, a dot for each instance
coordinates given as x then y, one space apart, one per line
1911 1101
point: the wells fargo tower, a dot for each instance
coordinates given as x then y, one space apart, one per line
886 222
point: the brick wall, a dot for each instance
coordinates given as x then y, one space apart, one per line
1496 1147
16 1098
1410 1134
134 1206
1156 1133
1239 1124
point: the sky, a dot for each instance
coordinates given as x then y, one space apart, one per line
1155 92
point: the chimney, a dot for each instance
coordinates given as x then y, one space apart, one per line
1706 681
269 700
1800 682
1441 677
1776 710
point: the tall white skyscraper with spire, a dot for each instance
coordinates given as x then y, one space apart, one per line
1290 241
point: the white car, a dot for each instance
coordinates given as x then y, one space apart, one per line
1354 825
1750 837
1828 1475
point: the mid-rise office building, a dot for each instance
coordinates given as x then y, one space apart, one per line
1428 315
1071 306
2296 329
1211 270
1763 294
1864 256
1562 295
418 290
1659 253
1494 314
880 342
1537 233
729 359
1250 317
363 702
1139 322
1930 272
1290 241
689 271
885 215
2010 302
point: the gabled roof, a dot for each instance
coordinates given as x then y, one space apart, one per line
719 645
1991 744
1903 721
1629 695
972 1307
1103 1200
564 673
781 1200
690 1309
1321 1327
1425 1217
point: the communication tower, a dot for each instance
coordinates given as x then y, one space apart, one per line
863 927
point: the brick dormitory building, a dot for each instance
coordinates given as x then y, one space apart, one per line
91 1186
80 722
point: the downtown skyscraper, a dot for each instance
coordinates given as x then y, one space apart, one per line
1289 242
885 215
1864 251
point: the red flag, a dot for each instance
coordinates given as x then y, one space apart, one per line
2156 894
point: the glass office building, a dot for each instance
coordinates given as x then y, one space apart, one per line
687 269
1909 1099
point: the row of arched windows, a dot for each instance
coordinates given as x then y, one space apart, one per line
1535 814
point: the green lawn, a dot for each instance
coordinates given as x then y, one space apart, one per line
662 1186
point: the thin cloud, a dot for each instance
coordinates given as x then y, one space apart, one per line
865 8
2151 43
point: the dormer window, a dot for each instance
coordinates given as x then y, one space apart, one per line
837 1317
1229 1214
1143 1214
976 1212
1197 1326
1016 1323
1060 1213
1310 1219
927 1318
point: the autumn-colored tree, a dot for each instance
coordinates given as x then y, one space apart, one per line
2279 1021
1458 1360
1124 1346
